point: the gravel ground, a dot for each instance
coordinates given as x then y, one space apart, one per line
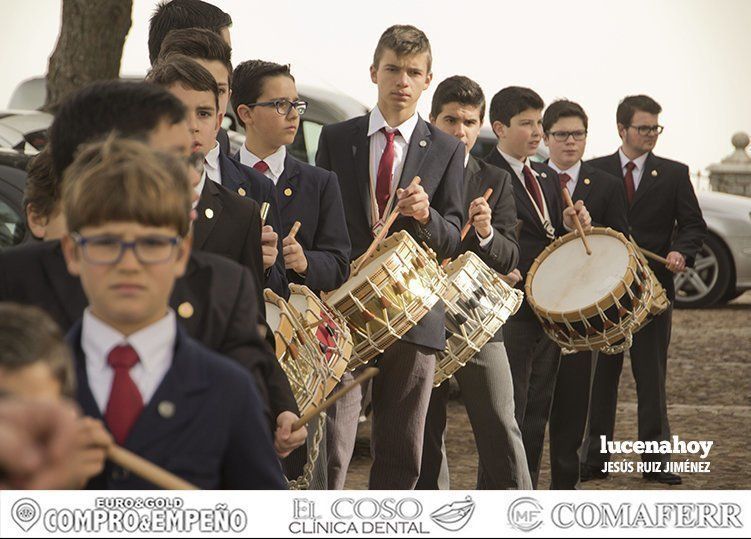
709 398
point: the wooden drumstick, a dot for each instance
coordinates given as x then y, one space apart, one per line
382 234
468 225
264 213
369 373
653 256
293 231
570 204
147 470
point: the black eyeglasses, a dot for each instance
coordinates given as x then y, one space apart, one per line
283 106
562 136
645 130
153 249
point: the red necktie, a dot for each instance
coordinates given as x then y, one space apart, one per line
564 179
261 166
534 189
125 403
628 181
385 172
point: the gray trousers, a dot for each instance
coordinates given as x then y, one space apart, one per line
400 398
488 395
534 360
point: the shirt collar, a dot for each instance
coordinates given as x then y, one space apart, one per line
100 338
517 165
377 122
275 161
572 171
639 161
212 157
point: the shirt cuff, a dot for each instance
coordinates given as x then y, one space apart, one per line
485 242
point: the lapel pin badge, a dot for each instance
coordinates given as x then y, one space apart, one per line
209 213
288 192
185 310
654 173
586 181
241 192
423 144
166 409
543 175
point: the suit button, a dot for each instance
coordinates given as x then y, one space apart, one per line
242 192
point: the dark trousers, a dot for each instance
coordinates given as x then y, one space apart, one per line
400 398
534 359
488 395
568 416
649 357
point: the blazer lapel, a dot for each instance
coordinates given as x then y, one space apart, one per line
288 182
231 178
419 146
523 202
209 208
361 160
472 182
84 396
649 177
583 184
67 288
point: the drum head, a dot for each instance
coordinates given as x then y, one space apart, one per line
569 279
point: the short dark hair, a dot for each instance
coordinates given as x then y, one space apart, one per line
633 103
29 335
404 40
458 89
179 69
179 14
248 78
511 101
563 108
198 44
132 109
42 189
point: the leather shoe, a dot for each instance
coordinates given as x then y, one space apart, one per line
588 473
663 477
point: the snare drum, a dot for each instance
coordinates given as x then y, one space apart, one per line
399 285
478 303
298 353
327 327
597 301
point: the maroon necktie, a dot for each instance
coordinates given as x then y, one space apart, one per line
261 166
628 181
564 179
534 189
385 172
125 403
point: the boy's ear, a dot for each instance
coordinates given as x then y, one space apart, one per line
219 118
373 74
37 222
499 129
243 112
70 252
428 80
183 254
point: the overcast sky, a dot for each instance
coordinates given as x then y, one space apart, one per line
692 56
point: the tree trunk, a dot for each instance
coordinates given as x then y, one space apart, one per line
90 46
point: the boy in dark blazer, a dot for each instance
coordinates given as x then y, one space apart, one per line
376 157
160 393
197 89
485 381
516 117
665 218
266 103
565 134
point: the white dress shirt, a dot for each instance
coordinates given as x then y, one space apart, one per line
572 171
275 161
378 145
211 165
199 189
638 169
154 345
518 167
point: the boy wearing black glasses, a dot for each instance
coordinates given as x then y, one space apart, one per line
266 103
664 217
565 133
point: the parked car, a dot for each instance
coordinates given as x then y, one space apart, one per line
12 180
24 130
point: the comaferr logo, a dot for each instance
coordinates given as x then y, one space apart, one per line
590 515
454 516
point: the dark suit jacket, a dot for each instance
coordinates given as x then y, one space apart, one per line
665 215
221 292
315 200
532 236
223 139
232 230
217 437
241 179
438 159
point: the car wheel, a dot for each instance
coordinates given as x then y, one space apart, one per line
708 281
